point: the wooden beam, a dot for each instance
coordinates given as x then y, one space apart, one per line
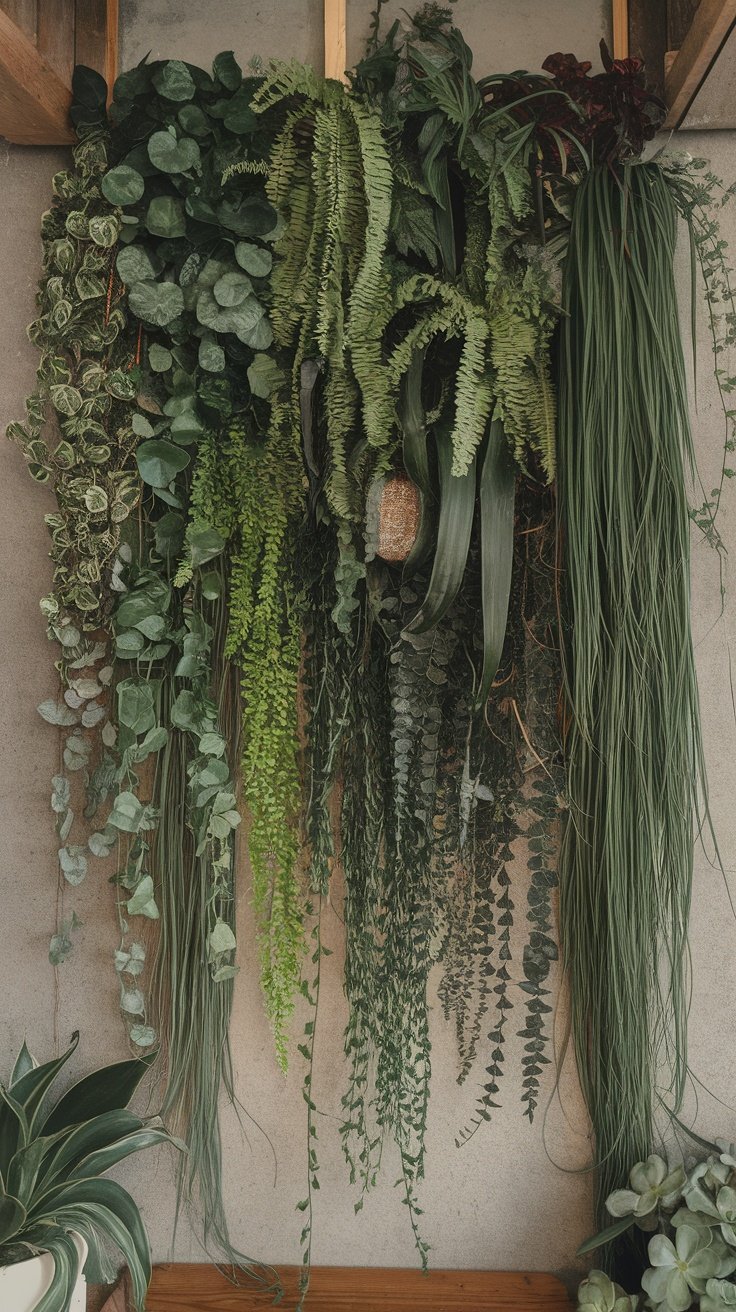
620 23
97 37
34 101
336 56
648 38
711 25
680 14
194 1287
55 36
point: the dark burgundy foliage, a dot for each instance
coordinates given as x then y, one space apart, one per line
620 111
610 114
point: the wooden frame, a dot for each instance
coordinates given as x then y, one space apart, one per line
336 57
620 27
195 1287
40 42
712 23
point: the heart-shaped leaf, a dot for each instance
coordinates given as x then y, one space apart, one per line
160 462
172 156
165 217
123 185
158 303
253 259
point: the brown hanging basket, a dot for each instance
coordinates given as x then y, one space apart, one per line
398 509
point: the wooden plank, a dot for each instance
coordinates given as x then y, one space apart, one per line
97 36
680 14
336 56
55 36
23 13
620 23
34 102
194 1287
648 38
711 25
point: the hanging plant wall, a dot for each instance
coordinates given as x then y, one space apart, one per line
310 569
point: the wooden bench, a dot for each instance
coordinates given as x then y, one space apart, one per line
179 1287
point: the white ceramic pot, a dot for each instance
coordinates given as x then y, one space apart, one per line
24 1283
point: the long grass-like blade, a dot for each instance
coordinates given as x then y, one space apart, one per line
497 489
634 759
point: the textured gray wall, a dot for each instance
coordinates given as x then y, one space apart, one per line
502 1201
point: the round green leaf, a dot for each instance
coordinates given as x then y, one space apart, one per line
253 259
211 585
165 217
174 81
259 336
156 302
141 426
123 185
251 217
159 358
194 121
172 156
186 427
160 462
211 356
231 289
137 264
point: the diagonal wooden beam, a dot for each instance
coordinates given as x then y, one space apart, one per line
712 22
336 56
34 102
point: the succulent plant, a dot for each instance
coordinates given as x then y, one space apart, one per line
719 1296
653 1184
679 1269
599 1294
52 1158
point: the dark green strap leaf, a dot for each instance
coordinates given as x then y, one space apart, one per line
619 1227
457 505
497 490
106 1090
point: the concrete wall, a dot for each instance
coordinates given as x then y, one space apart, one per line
515 1196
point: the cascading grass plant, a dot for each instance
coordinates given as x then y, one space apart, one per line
635 773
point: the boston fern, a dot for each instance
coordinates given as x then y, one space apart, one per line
52 1158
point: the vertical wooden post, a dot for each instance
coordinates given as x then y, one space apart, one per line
620 29
336 56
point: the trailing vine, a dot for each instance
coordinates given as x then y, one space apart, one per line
269 299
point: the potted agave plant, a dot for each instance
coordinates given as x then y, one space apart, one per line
55 1205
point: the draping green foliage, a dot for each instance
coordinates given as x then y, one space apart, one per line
265 294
